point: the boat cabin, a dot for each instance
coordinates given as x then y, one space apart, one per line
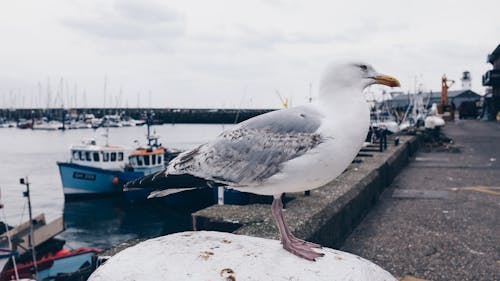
105 157
147 159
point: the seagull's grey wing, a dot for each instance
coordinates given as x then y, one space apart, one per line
254 150
301 119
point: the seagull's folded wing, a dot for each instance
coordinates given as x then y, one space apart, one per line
245 155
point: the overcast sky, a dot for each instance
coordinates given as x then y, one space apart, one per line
230 53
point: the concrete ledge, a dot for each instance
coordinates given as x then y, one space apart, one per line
221 256
330 213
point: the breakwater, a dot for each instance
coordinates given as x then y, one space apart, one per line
161 115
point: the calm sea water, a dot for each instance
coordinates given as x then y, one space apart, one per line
96 222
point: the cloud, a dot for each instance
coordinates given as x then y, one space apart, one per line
241 37
131 26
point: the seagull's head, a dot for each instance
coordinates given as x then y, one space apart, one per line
354 75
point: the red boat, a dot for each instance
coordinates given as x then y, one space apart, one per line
61 265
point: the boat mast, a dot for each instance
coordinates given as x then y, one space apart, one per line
148 124
107 136
149 121
31 241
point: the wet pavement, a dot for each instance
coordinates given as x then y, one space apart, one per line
440 218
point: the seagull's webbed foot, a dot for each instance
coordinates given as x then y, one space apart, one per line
291 243
300 249
296 240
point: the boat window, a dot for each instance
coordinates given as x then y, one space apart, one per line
146 160
133 160
153 159
120 156
80 155
75 155
159 159
87 156
96 156
113 156
139 160
105 156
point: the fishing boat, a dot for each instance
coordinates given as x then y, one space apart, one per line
153 158
93 169
145 160
60 265
99 170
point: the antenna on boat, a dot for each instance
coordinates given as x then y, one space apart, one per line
107 136
149 121
31 241
148 125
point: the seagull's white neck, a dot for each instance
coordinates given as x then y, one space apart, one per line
342 99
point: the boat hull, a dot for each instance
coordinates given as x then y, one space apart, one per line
56 266
83 181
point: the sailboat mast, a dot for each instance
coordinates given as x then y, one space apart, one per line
310 92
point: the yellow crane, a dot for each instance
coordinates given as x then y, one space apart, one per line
444 89
445 108
284 101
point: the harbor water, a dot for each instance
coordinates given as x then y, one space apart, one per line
98 222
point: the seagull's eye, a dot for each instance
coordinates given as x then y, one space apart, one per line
363 67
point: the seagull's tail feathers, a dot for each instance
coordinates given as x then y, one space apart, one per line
163 184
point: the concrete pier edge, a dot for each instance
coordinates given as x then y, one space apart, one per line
330 213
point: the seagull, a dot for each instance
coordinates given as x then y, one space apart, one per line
288 150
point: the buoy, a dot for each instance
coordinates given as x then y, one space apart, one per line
115 180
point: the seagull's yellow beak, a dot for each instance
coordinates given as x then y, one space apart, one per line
386 80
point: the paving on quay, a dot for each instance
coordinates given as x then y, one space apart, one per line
439 219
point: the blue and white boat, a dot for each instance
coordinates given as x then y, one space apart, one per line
99 170
144 161
93 169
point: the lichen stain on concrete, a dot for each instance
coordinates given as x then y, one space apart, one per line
205 255
228 274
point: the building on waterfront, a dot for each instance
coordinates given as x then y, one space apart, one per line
465 101
491 80
466 81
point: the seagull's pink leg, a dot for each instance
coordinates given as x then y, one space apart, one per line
292 237
290 243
